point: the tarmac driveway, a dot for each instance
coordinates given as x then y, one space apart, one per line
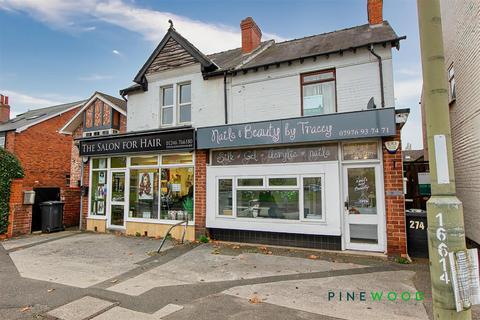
74 275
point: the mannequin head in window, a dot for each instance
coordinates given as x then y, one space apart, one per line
145 187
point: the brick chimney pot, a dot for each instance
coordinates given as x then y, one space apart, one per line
251 35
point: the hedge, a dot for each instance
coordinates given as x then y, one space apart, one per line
10 168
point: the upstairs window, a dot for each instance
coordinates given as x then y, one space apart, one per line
167 105
451 84
318 93
176 104
185 103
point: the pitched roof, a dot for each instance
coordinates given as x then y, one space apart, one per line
271 53
32 117
206 63
116 103
311 46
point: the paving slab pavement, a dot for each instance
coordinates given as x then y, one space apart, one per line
81 309
82 260
312 296
33 239
203 265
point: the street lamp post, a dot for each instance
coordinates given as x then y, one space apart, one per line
446 232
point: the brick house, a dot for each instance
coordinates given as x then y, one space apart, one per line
101 115
45 157
293 143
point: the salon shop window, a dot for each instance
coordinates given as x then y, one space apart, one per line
162 188
271 197
99 184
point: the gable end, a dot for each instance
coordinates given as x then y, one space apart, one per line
173 55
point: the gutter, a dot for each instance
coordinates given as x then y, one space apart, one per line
380 71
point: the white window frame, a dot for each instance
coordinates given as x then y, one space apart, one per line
127 169
176 104
302 202
172 106
234 198
183 104
266 187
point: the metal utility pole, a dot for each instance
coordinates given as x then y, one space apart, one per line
446 232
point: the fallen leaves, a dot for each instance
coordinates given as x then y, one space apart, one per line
114 281
25 309
255 299
50 290
313 257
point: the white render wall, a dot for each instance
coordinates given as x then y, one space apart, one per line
266 94
276 92
207 99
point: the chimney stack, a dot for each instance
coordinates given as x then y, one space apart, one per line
375 12
4 109
251 35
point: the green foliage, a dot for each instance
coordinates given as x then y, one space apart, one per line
188 207
138 234
402 260
10 168
204 239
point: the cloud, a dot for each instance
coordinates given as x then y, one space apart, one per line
116 52
95 77
408 91
21 102
151 24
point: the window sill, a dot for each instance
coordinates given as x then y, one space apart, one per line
157 221
97 217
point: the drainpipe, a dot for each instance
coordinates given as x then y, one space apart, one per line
81 196
380 70
225 103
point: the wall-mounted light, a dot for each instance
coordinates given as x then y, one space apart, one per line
392 146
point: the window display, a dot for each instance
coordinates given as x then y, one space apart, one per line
143 194
177 193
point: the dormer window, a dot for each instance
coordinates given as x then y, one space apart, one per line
318 92
178 110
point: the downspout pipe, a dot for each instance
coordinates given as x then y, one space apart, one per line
81 195
380 70
225 98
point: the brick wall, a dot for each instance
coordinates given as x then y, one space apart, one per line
45 156
20 218
86 175
71 210
394 200
200 192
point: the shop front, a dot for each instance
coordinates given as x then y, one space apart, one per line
141 183
310 182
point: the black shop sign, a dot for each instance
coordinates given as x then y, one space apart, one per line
134 143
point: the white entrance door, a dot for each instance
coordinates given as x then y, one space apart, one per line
364 207
116 210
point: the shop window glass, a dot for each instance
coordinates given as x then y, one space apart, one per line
312 198
250 182
282 182
177 193
271 204
144 161
143 194
360 151
177 158
225 197
98 192
99 163
118 162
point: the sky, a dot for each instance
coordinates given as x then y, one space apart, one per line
58 51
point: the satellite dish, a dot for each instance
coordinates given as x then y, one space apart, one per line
371 104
